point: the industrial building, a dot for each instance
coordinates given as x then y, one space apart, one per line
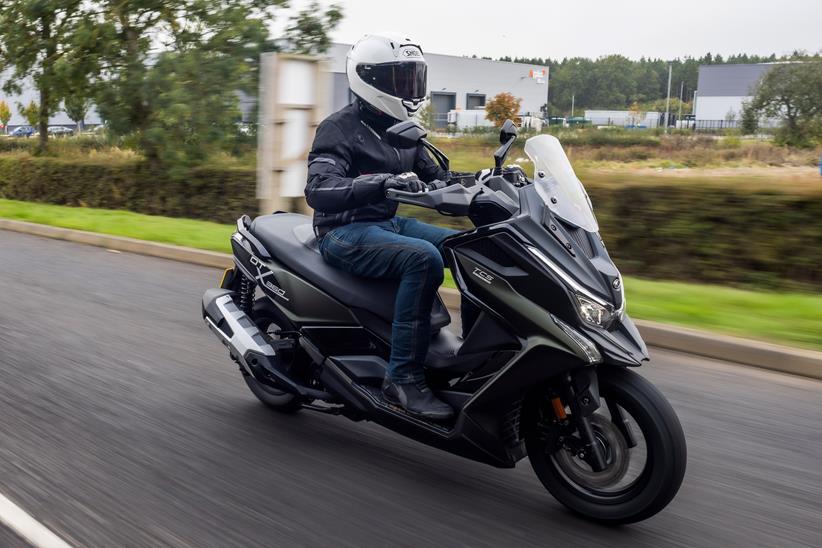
723 89
458 83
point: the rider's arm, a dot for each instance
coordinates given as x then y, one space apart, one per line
426 169
329 189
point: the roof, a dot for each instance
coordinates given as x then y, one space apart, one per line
735 80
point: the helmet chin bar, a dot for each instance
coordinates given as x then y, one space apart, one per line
412 106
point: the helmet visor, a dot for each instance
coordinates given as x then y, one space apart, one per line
406 79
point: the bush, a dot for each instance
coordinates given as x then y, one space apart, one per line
720 233
218 194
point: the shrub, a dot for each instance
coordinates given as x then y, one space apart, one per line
714 232
218 194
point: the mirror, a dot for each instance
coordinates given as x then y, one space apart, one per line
508 131
405 134
507 136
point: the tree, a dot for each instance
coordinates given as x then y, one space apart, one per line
34 38
76 107
749 121
308 30
792 92
503 106
30 112
175 103
425 116
5 115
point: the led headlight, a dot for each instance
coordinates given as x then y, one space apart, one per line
594 312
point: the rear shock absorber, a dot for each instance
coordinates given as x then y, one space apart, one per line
247 288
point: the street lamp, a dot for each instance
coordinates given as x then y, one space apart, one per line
668 99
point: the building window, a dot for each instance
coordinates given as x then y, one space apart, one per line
474 101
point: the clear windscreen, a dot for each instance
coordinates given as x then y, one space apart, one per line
557 184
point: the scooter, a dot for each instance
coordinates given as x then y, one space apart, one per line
545 370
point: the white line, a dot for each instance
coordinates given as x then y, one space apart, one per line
27 527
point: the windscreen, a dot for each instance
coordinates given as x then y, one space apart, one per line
404 79
557 184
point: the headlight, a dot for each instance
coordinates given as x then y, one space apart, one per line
594 313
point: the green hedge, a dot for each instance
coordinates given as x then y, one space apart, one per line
724 232
210 193
720 231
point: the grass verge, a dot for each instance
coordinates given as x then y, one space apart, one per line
787 318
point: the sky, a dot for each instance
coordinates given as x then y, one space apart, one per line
585 28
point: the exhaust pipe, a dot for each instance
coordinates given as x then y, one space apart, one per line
248 346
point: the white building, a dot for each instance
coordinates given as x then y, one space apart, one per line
723 89
459 83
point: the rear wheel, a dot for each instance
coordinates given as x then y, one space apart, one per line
272 324
645 459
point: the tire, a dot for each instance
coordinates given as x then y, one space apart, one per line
664 464
269 320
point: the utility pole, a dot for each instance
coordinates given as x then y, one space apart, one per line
681 91
668 99
572 105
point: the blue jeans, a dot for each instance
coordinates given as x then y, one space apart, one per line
406 250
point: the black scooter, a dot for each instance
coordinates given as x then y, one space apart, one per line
543 372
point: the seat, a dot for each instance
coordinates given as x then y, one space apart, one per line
289 237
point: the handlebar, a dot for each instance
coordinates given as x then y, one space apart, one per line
449 200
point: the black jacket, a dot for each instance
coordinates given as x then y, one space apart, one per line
348 163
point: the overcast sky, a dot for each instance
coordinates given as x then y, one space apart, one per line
550 28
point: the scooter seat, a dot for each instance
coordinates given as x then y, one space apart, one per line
289 237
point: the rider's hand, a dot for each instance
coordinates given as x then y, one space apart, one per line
409 182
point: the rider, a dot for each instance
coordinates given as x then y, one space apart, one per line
349 169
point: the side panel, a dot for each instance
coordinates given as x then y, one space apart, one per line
300 301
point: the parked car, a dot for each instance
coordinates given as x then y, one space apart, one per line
22 131
60 130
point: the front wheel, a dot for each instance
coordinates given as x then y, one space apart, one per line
640 437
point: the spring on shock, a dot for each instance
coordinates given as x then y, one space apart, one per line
246 294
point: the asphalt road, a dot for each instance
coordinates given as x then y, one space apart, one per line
123 423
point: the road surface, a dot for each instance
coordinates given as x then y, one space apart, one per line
125 424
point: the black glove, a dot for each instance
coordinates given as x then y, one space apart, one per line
407 182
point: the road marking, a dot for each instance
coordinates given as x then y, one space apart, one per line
37 534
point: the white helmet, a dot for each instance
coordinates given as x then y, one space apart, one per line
388 72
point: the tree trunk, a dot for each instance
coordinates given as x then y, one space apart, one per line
45 83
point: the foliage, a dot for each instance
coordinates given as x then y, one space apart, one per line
218 194
307 32
793 93
165 73
502 107
76 108
703 232
750 119
425 116
5 115
34 39
30 112
616 82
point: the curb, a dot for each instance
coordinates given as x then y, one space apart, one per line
806 363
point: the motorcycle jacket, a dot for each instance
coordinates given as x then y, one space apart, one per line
348 164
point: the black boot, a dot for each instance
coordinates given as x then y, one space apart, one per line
417 399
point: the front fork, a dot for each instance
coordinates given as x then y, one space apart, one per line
583 399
